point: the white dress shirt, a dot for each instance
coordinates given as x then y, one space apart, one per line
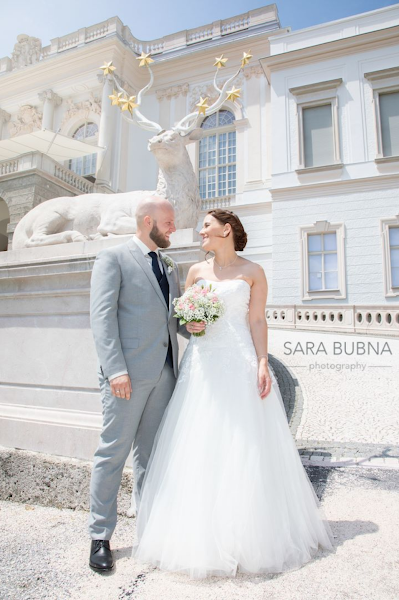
145 250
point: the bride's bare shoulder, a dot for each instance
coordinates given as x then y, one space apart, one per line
253 271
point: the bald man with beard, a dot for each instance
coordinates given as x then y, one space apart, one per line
131 315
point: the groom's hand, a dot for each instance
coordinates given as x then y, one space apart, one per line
121 387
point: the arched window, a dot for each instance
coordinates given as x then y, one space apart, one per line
86 165
4 221
217 156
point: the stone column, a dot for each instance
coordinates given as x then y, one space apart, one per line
4 118
50 101
105 136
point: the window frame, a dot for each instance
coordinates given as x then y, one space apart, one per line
217 131
310 96
384 81
321 227
390 291
92 140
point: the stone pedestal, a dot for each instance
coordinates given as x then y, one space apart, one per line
49 397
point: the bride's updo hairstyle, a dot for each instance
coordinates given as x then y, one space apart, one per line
239 235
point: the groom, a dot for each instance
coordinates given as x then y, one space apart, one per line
135 334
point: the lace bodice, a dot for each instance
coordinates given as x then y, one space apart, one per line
229 338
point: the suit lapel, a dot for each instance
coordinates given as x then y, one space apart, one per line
170 282
139 257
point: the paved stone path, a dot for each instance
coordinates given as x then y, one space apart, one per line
44 553
346 406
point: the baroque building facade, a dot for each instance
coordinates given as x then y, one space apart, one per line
309 160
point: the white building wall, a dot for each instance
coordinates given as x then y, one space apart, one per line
360 212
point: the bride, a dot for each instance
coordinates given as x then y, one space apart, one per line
225 490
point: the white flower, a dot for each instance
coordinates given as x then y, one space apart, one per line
169 262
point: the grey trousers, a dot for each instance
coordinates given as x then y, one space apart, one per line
126 424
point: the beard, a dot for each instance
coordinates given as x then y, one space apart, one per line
158 238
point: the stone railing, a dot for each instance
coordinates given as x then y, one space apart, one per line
236 24
266 17
36 160
76 181
220 202
368 319
8 166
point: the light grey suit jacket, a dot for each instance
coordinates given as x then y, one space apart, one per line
130 320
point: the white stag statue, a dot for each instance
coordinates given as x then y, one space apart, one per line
95 216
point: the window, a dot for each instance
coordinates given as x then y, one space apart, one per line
389 116
217 156
394 255
86 165
323 261
390 244
318 138
318 130
385 87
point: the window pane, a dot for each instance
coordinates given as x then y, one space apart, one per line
330 241
225 118
211 150
211 183
330 262
315 281
222 148
209 122
331 280
314 243
315 263
389 111
231 179
202 184
318 136
222 181
394 236
395 258
203 150
232 146
395 277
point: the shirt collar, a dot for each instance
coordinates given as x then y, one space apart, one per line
145 249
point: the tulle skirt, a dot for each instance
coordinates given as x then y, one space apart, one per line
225 490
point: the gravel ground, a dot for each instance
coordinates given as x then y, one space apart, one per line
347 397
44 552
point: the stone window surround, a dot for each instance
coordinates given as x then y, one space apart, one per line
320 227
383 81
385 224
312 95
238 125
92 140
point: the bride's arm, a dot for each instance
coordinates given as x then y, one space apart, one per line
191 277
258 326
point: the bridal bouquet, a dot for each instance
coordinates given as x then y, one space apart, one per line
198 303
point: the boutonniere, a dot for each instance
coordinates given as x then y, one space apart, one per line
169 263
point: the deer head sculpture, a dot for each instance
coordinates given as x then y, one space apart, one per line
176 178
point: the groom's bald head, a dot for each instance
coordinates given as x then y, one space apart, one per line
152 206
155 221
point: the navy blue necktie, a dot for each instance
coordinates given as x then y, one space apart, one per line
164 285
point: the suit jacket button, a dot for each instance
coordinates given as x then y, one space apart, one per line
165 344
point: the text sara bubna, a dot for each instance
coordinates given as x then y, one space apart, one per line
358 348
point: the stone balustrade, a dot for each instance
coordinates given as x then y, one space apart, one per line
219 202
371 320
266 17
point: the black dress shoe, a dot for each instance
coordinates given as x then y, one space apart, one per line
101 556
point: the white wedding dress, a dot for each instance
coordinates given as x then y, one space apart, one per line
225 490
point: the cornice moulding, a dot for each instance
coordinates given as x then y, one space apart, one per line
382 74
333 188
320 86
329 50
